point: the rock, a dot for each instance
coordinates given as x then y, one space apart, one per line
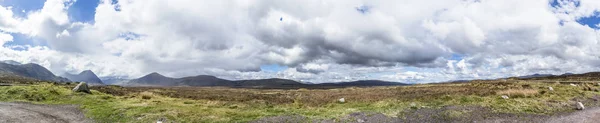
360 120
342 100
504 97
161 120
82 87
572 84
550 88
580 106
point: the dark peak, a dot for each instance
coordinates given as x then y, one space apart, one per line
369 81
32 64
86 72
537 74
154 74
206 76
279 79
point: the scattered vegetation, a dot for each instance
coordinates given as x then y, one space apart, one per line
198 104
519 92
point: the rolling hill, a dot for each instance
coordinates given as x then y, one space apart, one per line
30 70
590 76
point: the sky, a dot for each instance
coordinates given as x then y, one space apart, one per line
305 40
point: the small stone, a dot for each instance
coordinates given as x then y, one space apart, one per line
82 87
412 104
161 120
580 106
342 100
360 120
504 97
572 84
550 88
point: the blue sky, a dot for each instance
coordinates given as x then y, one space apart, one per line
81 10
23 5
273 68
591 21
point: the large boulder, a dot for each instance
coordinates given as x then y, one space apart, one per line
82 87
342 100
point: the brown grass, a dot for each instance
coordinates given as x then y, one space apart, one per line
147 95
307 97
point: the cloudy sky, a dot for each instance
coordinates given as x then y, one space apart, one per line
409 41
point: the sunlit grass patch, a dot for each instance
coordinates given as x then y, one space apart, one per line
519 92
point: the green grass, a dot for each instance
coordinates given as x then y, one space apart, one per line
148 106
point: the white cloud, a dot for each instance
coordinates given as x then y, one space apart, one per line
5 38
319 40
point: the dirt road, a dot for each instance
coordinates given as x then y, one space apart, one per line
33 113
591 115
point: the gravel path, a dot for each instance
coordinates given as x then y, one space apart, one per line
591 115
34 113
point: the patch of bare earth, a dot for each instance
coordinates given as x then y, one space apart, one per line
34 113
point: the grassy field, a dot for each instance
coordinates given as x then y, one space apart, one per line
199 104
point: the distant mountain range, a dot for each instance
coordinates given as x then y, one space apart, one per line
534 76
85 76
35 71
155 79
114 80
30 70
591 76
